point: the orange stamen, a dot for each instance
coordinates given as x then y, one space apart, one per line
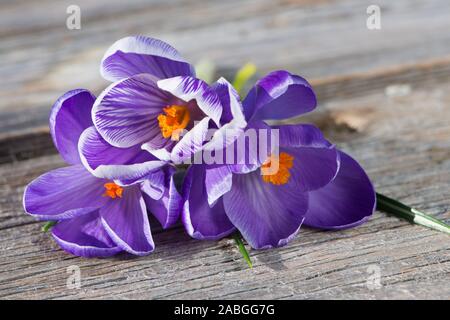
172 123
285 162
112 190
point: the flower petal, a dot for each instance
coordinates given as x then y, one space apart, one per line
167 207
232 121
199 219
154 184
189 88
191 142
70 115
105 161
125 114
279 95
161 154
301 135
267 215
218 181
64 193
252 148
313 168
138 54
126 221
85 236
316 161
347 201
229 98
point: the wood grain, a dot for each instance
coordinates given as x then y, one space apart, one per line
384 98
409 164
35 140
40 58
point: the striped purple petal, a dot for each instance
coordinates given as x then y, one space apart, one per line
125 114
165 205
85 236
126 222
189 88
279 95
70 115
348 201
63 194
139 54
231 104
105 161
316 161
218 181
191 143
200 220
267 215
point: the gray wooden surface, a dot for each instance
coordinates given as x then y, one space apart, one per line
383 97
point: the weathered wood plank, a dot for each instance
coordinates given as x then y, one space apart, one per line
35 140
401 138
383 97
40 58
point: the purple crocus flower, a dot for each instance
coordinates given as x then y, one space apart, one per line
98 216
315 183
155 101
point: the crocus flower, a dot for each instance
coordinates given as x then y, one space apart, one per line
315 183
98 216
155 101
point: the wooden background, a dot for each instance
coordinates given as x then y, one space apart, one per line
383 97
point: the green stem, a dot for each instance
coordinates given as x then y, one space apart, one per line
205 70
242 76
412 215
48 225
238 239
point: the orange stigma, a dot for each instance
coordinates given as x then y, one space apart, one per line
175 119
281 176
112 190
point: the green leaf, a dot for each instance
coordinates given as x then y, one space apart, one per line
48 225
238 239
412 215
242 76
205 70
